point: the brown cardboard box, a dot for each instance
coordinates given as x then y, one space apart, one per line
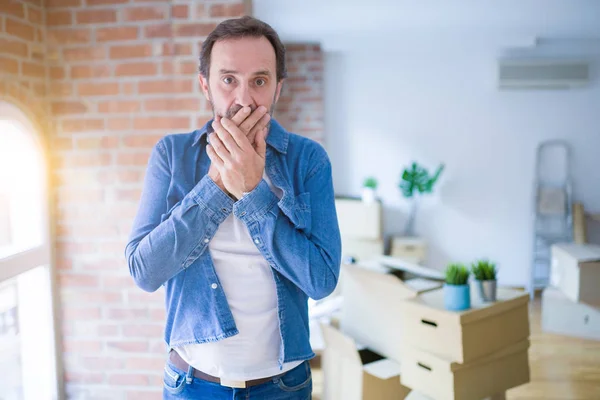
563 316
467 335
443 379
371 310
576 271
352 373
408 248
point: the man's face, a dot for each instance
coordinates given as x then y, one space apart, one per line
242 73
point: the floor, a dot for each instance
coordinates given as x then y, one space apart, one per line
562 368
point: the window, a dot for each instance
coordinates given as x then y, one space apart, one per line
27 324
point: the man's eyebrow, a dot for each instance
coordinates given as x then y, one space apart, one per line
234 72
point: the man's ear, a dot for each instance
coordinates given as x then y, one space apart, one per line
204 85
278 90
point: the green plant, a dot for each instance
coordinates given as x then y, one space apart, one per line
484 270
457 274
370 182
417 179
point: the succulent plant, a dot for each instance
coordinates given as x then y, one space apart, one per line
484 270
457 274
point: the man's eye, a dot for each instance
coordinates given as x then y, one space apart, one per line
228 80
261 82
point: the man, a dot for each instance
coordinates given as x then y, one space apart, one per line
237 221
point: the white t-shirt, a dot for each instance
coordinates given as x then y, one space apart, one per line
249 286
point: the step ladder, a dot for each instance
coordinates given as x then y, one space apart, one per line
553 214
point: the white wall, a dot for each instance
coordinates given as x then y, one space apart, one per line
427 92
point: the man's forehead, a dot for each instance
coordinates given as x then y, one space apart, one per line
243 56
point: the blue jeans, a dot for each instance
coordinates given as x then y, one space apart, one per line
295 384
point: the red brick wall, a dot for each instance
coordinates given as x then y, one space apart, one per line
115 76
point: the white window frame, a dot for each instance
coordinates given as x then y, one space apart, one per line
42 255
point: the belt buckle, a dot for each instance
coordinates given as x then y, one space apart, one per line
233 384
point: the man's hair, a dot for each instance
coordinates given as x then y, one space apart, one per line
240 28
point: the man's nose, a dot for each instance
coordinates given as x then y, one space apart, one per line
244 97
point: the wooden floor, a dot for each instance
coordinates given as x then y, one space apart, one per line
562 368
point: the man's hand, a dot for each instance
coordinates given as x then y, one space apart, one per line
239 163
250 125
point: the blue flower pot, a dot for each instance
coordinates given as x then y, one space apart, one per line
457 297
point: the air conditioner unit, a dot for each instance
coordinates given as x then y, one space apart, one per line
542 74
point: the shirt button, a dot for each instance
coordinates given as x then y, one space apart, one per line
243 213
256 241
224 210
214 286
206 240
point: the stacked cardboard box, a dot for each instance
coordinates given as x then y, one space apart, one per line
467 355
571 305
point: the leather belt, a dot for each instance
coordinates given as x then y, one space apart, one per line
180 363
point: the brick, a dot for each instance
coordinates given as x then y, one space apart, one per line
39 89
128 379
227 10
157 314
132 159
13 9
128 347
143 331
64 264
13 47
90 296
201 11
146 394
84 54
19 29
117 247
9 65
180 11
65 36
129 88
128 195
78 313
141 297
166 86
59 18
105 2
86 231
136 69
57 73
158 31
145 363
97 143
117 33
82 125
34 15
180 104
74 248
61 88
144 13
84 377
194 29
96 16
163 123
177 49
102 363
186 68
131 51
73 280
141 141
112 282
119 123
98 89
84 160
68 107
119 106
63 3
81 346
90 71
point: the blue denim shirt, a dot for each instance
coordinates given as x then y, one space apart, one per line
181 208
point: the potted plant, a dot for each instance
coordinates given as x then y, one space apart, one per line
484 272
457 294
369 190
416 181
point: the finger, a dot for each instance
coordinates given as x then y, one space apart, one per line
224 134
241 115
219 148
237 135
214 157
261 144
262 123
249 122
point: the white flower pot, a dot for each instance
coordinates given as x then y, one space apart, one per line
368 195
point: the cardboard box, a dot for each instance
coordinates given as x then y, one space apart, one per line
442 379
371 311
563 316
408 248
360 220
354 373
576 271
467 335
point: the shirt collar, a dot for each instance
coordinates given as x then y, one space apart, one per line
277 137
